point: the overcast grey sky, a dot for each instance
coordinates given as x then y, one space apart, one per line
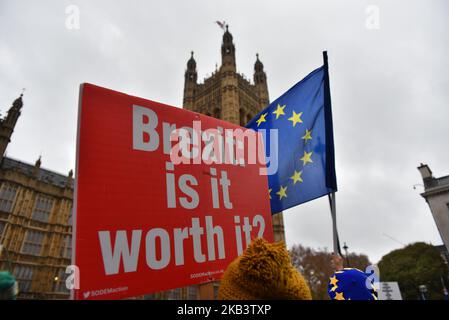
389 89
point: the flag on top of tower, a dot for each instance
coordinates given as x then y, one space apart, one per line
304 148
221 24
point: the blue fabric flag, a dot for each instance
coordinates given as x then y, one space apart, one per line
303 119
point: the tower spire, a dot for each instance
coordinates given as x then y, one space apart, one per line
191 67
260 81
258 66
190 82
228 50
8 124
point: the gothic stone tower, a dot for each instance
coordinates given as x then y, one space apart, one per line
227 95
8 123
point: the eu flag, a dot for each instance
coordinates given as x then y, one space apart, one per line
305 146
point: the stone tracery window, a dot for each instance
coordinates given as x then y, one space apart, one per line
33 242
24 276
42 209
7 196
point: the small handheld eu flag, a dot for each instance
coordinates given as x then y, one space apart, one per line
302 117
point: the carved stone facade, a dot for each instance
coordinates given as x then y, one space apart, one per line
35 221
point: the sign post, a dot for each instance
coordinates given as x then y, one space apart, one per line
163 198
389 291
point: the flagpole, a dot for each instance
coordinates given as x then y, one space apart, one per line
330 181
336 242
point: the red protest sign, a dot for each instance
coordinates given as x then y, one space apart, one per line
146 220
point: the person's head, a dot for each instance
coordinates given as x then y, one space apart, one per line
263 271
351 284
336 262
8 286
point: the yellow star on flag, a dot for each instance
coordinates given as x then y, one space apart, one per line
279 111
282 192
334 281
339 296
296 177
295 118
306 158
269 192
308 135
261 119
